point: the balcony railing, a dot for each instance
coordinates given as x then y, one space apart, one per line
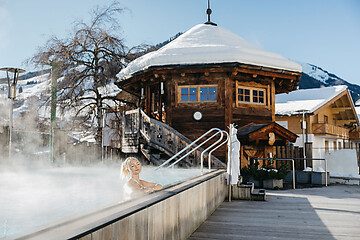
355 133
330 129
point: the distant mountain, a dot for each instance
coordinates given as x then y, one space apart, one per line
316 77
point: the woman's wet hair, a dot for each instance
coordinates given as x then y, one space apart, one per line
125 172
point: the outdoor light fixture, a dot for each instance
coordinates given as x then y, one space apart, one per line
197 116
11 96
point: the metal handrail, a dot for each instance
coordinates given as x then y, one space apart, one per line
193 150
205 150
188 146
227 139
209 157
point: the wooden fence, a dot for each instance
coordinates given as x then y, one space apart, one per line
296 152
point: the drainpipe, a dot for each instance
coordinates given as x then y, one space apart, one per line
230 160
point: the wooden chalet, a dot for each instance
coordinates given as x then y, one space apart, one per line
209 78
258 140
325 119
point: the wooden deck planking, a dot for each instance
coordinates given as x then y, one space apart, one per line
314 213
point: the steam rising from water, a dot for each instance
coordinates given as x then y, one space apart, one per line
37 195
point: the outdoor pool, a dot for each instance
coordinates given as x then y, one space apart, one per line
31 199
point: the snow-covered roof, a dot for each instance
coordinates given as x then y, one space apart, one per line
208 44
305 99
357 109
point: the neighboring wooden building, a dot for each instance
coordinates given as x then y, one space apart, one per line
209 77
329 117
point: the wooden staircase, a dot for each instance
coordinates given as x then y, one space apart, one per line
157 141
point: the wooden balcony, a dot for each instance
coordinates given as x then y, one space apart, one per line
330 130
355 134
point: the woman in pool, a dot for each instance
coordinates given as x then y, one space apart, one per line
130 170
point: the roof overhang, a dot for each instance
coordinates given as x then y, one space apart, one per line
268 134
278 75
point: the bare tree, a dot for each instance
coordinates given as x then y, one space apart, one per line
89 61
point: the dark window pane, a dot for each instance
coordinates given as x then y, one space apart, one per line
261 93
240 91
203 97
192 90
255 99
184 98
184 91
261 100
193 98
241 98
247 98
255 92
247 92
212 90
203 90
212 97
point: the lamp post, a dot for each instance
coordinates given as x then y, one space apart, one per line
55 74
11 96
103 123
303 127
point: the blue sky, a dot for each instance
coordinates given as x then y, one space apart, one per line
322 32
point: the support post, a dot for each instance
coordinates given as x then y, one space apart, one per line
54 77
10 126
229 160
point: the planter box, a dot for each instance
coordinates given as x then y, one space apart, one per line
318 178
257 183
273 183
302 177
242 191
289 177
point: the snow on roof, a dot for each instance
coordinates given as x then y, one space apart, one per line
357 109
206 44
305 99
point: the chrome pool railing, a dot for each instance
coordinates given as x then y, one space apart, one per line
217 131
216 145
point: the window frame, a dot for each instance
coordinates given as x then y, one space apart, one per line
198 93
115 124
264 90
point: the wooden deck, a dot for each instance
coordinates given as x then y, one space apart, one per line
313 213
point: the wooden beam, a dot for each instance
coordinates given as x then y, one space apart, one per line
228 101
336 110
343 122
272 90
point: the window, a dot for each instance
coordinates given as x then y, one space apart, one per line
251 95
114 124
326 146
115 143
201 93
189 94
326 119
207 93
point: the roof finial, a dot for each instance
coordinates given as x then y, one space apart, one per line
208 12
